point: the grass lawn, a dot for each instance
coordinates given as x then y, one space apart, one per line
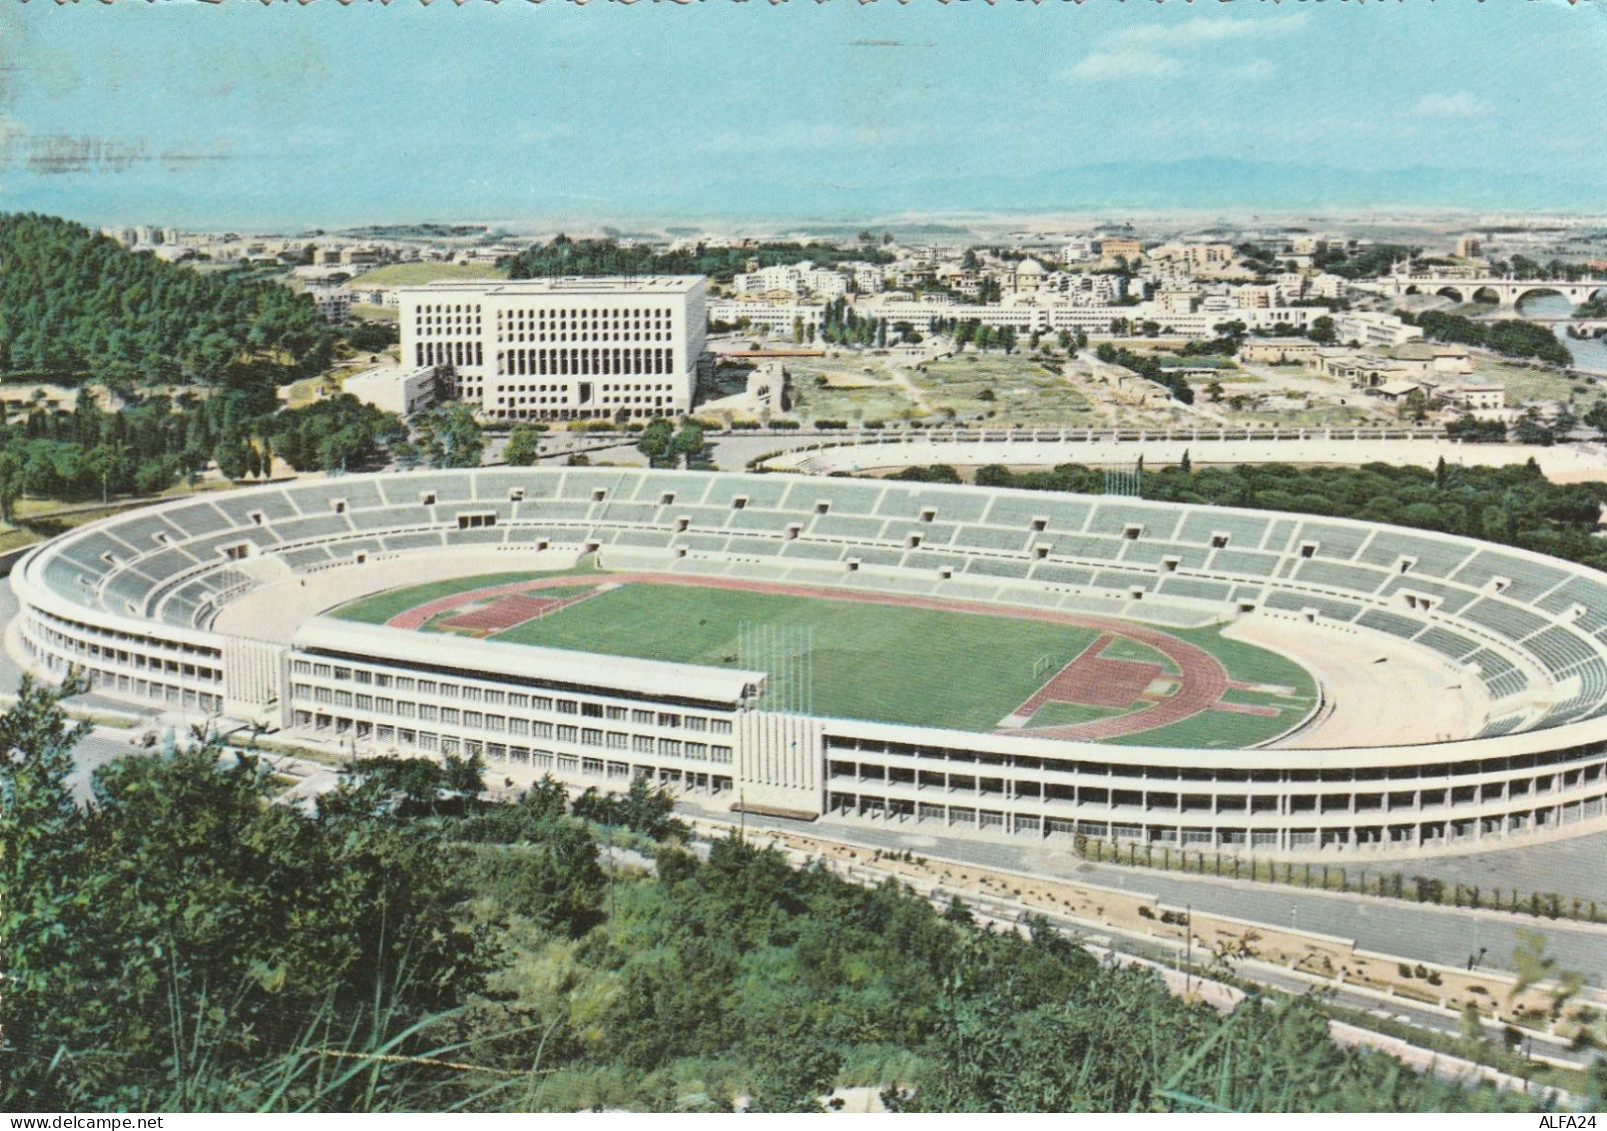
1247 663
16 537
915 666
381 607
919 667
1525 382
1071 714
874 402
412 274
1213 730
1123 649
1022 390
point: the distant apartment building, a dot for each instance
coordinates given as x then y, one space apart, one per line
1280 351
1176 300
1325 286
1195 256
1077 249
1373 331
333 303
1114 248
777 317
869 278
1469 247
1475 396
784 277
1084 290
562 349
1256 296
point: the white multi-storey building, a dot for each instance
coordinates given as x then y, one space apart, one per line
562 349
334 303
1374 330
776 317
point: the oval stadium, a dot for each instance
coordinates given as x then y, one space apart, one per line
995 662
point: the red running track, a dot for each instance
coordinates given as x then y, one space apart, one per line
1202 679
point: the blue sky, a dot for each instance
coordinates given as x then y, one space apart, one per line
244 115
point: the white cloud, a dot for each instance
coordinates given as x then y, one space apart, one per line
1253 71
1462 104
1115 66
1152 52
1211 29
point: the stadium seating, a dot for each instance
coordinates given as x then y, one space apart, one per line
1534 627
198 518
1339 542
1438 559
1017 513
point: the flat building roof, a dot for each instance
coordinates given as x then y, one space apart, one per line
526 663
568 285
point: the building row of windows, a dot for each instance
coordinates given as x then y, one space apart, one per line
448 353
608 339
55 640
1284 802
594 318
127 686
596 361
1402 834
432 741
605 388
500 697
490 721
438 327
1588 758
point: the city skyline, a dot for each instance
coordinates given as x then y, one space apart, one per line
239 115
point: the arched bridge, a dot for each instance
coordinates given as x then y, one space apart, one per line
1503 291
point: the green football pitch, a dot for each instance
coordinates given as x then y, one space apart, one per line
888 663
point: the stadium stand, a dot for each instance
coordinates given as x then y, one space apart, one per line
1534 630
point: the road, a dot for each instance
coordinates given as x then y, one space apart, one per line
1448 936
1183 968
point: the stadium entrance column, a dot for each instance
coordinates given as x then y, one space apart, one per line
779 762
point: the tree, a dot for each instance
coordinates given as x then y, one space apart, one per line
1322 330
689 442
41 864
231 457
1596 417
523 447
792 1059
450 437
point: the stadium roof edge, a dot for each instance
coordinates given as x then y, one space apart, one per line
524 662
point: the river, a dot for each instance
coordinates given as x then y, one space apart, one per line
1588 353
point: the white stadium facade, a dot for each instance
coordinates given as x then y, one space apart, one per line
210 606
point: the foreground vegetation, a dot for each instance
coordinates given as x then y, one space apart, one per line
180 943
